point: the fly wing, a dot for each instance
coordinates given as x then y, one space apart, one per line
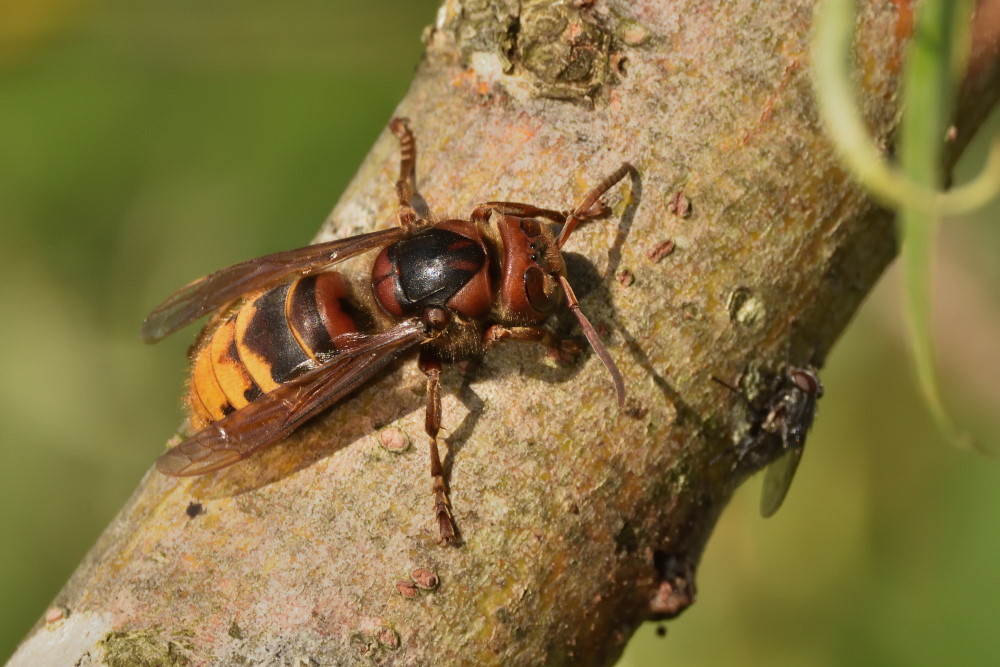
777 479
225 286
273 416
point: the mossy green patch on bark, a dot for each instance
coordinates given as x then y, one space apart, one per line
142 648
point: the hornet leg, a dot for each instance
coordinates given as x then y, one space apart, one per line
482 212
582 211
431 366
563 350
407 160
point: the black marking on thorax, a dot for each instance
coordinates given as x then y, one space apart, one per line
433 266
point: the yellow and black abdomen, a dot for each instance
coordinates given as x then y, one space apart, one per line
270 338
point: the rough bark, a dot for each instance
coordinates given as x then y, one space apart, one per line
578 520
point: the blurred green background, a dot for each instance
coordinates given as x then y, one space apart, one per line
144 144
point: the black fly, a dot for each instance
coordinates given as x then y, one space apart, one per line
778 434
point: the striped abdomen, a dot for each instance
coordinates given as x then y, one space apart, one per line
271 337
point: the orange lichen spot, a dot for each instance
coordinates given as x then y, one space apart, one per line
465 77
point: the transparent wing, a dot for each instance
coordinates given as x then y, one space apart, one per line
225 286
273 416
777 479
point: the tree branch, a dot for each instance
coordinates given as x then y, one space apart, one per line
579 520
